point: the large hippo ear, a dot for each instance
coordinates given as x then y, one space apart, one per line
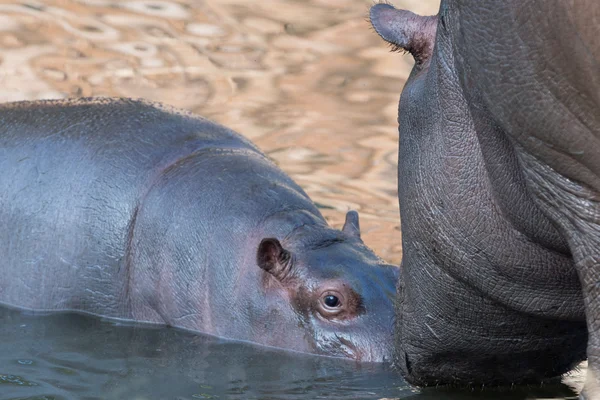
273 258
352 226
405 30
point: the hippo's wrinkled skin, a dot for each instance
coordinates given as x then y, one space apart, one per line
127 210
499 189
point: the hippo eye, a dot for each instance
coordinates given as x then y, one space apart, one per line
331 304
337 302
331 301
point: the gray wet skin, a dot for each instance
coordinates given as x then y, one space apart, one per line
499 188
127 210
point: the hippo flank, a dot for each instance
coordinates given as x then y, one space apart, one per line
132 211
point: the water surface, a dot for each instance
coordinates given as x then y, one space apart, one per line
67 356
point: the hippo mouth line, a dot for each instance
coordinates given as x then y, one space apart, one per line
350 350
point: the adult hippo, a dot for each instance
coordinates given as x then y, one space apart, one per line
499 189
128 210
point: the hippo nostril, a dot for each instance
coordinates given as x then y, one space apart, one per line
407 364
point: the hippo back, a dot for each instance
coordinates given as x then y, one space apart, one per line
74 172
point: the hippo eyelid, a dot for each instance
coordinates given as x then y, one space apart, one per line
351 304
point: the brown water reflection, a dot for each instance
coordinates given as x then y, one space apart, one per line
308 81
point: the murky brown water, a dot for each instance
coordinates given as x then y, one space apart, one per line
308 81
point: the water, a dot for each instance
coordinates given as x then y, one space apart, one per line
308 81
76 357
67 356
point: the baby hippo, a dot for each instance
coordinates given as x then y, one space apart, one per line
132 211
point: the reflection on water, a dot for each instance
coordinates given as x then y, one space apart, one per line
75 357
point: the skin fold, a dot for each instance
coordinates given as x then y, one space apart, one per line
132 211
499 179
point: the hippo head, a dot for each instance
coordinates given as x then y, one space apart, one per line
338 293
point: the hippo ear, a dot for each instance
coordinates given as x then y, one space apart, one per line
405 30
273 258
352 226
